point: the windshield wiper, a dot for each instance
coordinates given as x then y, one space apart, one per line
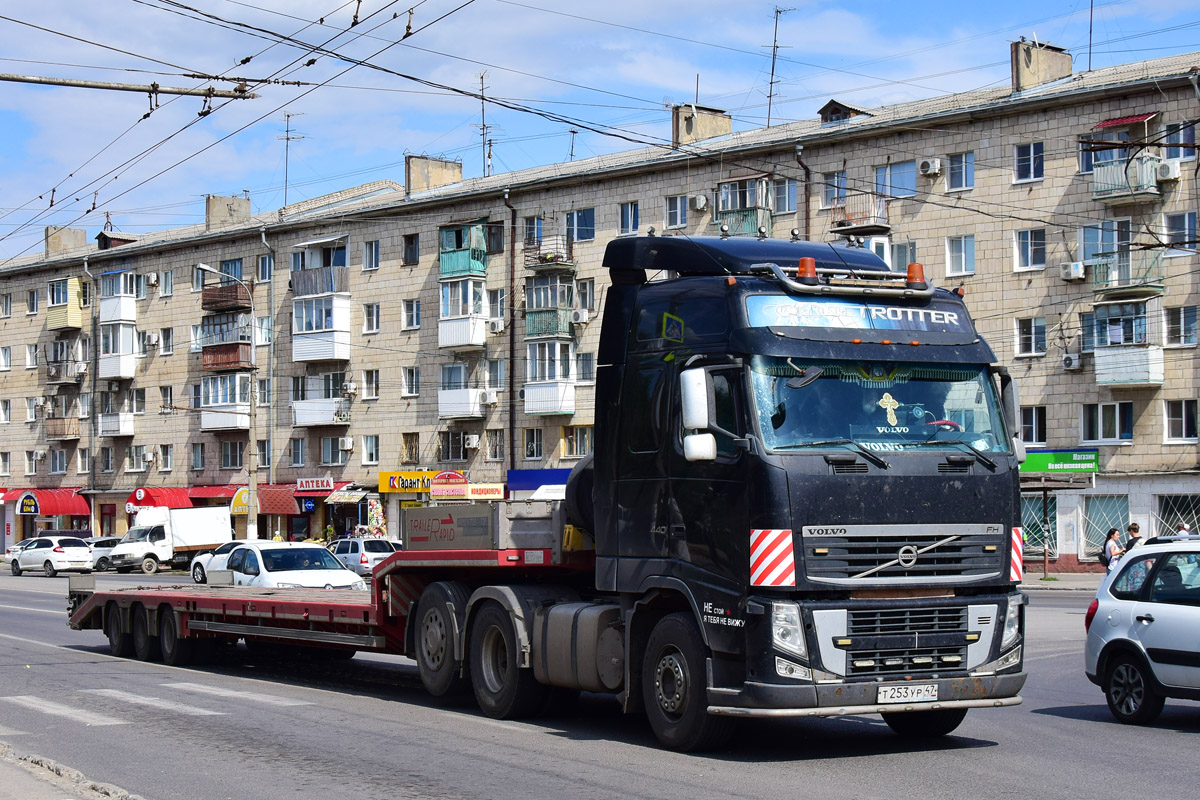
874 459
987 462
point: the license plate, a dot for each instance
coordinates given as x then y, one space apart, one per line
908 693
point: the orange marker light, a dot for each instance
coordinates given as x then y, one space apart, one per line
886 341
914 343
856 341
916 276
807 271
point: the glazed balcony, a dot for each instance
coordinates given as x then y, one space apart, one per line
227 297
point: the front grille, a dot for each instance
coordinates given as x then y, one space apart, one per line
906 641
944 468
886 621
902 553
855 468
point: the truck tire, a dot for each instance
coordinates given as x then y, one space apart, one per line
49 569
145 646
925 724
120 642
675 689
502 689
177 650
1129 691
149 565
433 639
198 575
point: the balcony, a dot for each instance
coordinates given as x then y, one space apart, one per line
1135 366
546 323
119 424
860 215
226 356
463 333
467 262
744 221
70 371
68 315
552 254
1129 271
550 397
228 297
322 280
231 417
461 403
325 411
1127 180
118 308
116 366
62 428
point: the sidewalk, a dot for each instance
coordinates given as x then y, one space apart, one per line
37 778
1061 581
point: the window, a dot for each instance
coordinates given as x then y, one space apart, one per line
85 294
198 276
371 318
495 445
166 457
586 290
31 356
85 405
1031 336
896 180
107 462
1181 420
1031 249
549 361
135 458
1180 230
143 343
264 452
141 285
264 392
166 283
56 294
412 382
533 443
370 253
31 302
744 194
30 462
677 211
196 403
1106 244
197 455
296 448
5 463
533 231
166 400
231 454
961 174
629 217
960 255
903 254
1181 326
58 462
333 385
494 237
1028 162
298 261
263 332
1033 425
549 291
452 446
834 191
581 225
785 195
585 367
197 339
577 441
370 445
299 389
5 358
166 341
1117 324
119 284
6 304
412 248
31 407
410 448
266 268
495 373
5 411
1180 141
454 376
224 390
312 314
462 298
1108 422
412 314
1099 149
83 460
370 379
138 397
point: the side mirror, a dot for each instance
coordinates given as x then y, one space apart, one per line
693 393
1019 449
700 447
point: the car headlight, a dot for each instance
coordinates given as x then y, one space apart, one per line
787 630
1012 621
287 586
359 585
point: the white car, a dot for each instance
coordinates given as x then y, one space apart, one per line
362 554
204 562
11 551
102 551
54 554
289 565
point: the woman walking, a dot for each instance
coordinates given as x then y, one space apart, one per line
1112 548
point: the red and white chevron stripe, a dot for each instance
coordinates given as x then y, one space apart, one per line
403 592
772 560
1016 569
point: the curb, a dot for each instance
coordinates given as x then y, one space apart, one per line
57 778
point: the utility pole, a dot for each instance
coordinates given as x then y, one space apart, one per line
571 156
483 126
288 138
774 54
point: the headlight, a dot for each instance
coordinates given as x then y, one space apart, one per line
287 586
787 631
1012 621
359 585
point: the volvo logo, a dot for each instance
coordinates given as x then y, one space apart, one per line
907 557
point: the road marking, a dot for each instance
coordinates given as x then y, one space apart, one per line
89 718
154 702
253 697
39 610
11 732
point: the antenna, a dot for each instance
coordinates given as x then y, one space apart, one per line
483 126
571 156
288 138
774 53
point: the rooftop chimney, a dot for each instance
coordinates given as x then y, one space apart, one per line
60 240
221 212
692 123
1034 64
422 173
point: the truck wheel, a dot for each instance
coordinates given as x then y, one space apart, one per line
198 575
1131 698
49 569
502 689
433 638
925 724
120 643
177 650
102 565
675 690
149 565
145 646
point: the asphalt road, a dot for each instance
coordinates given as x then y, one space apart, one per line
365 729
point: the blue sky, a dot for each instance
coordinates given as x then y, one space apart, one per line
614 66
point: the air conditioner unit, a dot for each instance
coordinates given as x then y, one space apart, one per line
496 325
39 401
1168 171
471 441
699 202
930 167
350 389
152 278
579 316
346 443
151 339
1073 271
80 368
39 455
1072 362
490 397
149 456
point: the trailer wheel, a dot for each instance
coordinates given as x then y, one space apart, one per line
434 639
675 690
145 646
502 689
177 650
120 642
925 724
149 565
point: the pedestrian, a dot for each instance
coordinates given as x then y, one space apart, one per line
1182 529
1112 548
1135 537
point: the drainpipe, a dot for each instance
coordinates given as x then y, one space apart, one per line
270 371
510 327
1195 82
807 189
93 368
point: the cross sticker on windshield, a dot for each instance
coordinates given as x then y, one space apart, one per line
889 404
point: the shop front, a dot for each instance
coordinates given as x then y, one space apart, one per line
401 490
355 511
282 510
33 511
154 497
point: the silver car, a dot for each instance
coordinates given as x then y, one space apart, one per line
1143 630
361 554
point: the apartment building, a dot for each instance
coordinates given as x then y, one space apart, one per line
391 332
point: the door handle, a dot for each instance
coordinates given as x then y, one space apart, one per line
677 532
1145 618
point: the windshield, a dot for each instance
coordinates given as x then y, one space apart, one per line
136 535
881 406
289 560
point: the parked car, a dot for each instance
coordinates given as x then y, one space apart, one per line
202 563
54 554
289 565
102 551
360 555
11 551
1142 642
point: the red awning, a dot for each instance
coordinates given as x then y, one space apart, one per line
48 502
1123 121
221 490
277 500
336 485
159 496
